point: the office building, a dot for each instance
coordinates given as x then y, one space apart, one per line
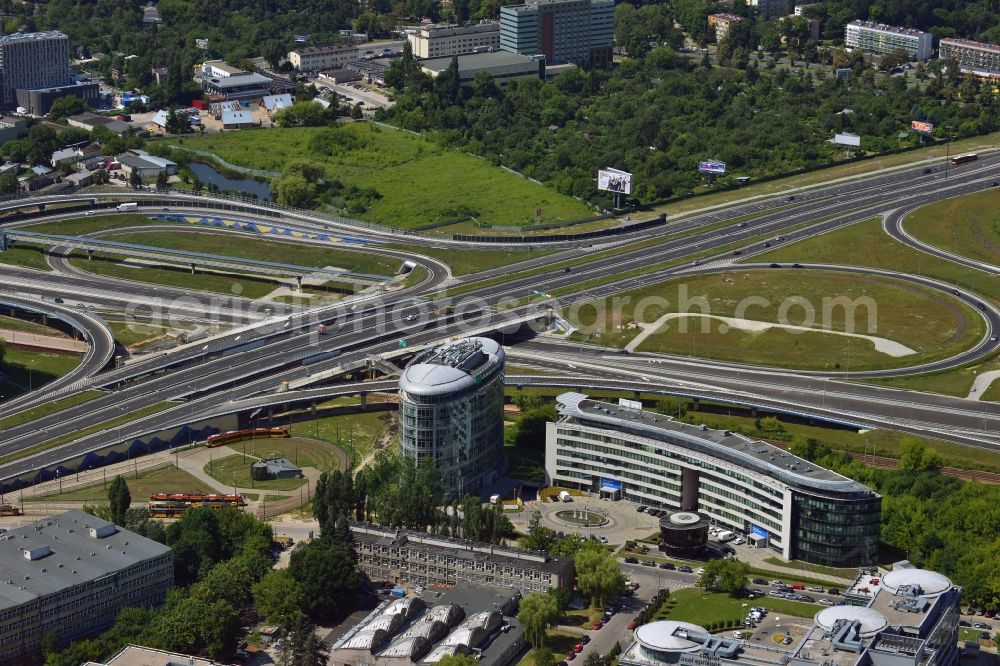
38 101
438 41
70 575
316 58
564 31
451 412
33 60
911 619
415 558
792 506
722 24
975 57
503 67
884 39
220 69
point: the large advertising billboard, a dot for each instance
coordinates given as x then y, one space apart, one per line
712 166
613 180
921 126
847 139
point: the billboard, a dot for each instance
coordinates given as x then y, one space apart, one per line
630 404
613 180
847 139
758 531
611 484
921 126
712 166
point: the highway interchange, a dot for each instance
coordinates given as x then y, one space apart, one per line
241 370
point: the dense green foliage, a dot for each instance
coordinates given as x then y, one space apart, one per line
488 525
119 500
225 551
597 574
725 575
536 612
935 521
326 570
658 115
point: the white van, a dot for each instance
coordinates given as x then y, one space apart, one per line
494 499
725 536
565 496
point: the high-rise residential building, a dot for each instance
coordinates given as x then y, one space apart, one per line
975 57
439 41
451 412
878 38
772 9
31 61
722 23
68 576
794 507
564 31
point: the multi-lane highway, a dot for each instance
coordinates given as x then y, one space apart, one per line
225 372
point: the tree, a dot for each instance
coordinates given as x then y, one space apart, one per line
543 657
457 659
596 659
273 51
134 179
278 597
356 112
537 611
725 575
291 189
8 182
563 597
303 114
162 182
539 537
301 646
178 123
70 105
327 574
597 574
119 498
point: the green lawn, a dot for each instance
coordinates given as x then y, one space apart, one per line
26 255
86 225
47 408
303 452
235 471
417 181
932 324
956 382
866 244
233 244
849 574
464 262
705 608
969 225
163 480
28 370
15 324
132 332
355 433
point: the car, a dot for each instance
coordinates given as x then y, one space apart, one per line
981 306
928 170
737 253
57 300
566 269
806 598
685 569
632 625
602 539
776 594
648 563
873 581
641 508
993 338
833 591
791 596
578 648
411 317
759 581
778 583
817 588
994 183
742 225
790 197
826 602
739 541
787 640
982 625
585 639
668 566
570 656
629 560
796 265
598 625
964 623
798 586
766 244
954 292
990 614
985 635
90 212
696 262
756 591
780 238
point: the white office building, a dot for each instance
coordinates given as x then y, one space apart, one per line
316 58
439 41
884 39
796 508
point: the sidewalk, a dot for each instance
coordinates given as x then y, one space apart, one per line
49 342
755 558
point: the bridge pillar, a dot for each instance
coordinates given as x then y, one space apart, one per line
364 399
192 268
298 283
695 404
753 412
90 255
312 409
636 394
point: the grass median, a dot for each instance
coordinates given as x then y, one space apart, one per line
48 408
968 226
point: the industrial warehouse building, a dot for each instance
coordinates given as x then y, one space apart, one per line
502 67
911 619
798 509
412 558
70 575
451 412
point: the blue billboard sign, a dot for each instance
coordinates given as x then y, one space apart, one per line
611 484
758 531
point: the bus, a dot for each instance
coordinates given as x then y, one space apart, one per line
962 159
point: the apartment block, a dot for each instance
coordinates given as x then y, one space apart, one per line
976 57
70 575
884 39
722 23
439 41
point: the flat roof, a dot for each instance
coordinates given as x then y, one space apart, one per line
28 36
320 50
664 636
138 655
881 27
476 61
983 46
75 557
240 81
740 450
452 367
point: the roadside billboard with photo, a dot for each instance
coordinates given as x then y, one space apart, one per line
613 180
